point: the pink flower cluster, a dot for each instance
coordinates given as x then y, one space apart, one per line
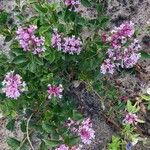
65 147
83 129
13 85
86 131
72 4
124 51
29 41
131 118
55 91
71 45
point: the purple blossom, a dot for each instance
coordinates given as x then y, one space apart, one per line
126 29
56 40
62 147
29 41
55 91
108 67
123 52
86 134
131 60
131 118
72 45
72 4
129 146
13 85
83 129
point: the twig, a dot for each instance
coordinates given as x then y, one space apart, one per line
28 137
24 140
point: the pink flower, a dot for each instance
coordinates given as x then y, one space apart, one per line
72 4
62 147
132 60
108 67
56 40
13 85
55 91
124 51
28 40
86 134
70 122
87 122
131 118
76 148
72 45
126 29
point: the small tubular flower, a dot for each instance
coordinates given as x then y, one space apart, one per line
123 51
72 4
86 134
83 129
29 41
55 91
13 85
108 67
70 45
56 40
62 147
131 118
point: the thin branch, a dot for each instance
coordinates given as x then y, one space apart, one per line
27 130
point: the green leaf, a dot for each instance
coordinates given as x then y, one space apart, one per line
3 17
17 51
115 144
8 38
43 146
52 143
76 115
19 59
50 55
39 8
13 143
32 67
145 55
23 126
71 141
86 3
44 29
11 125
48 128
145 97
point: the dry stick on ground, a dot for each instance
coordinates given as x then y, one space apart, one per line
28 137
24 140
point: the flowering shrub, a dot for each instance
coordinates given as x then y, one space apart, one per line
42 71
124 52
39 55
